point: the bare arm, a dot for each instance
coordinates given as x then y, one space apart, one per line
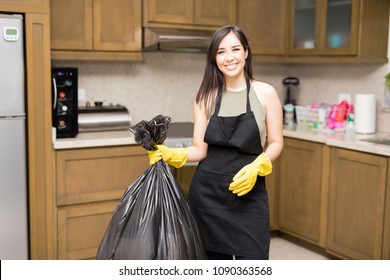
274 119
198 150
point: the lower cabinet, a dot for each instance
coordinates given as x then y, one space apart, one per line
81 229
184 176
302 190
358 218
89 185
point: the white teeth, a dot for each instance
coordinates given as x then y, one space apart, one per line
231 66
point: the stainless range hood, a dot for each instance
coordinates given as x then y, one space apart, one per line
176 40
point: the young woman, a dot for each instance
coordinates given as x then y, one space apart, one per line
235 118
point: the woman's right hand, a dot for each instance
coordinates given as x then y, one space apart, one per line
176 157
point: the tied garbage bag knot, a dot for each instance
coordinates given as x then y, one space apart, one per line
153 220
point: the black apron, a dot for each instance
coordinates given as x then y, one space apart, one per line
230 224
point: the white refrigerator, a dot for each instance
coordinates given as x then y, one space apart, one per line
13 159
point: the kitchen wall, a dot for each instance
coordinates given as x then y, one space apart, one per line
166 83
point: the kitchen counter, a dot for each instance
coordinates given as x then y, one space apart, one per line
95 139
328 137
337 139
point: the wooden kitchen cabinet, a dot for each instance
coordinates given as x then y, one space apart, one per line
357 225
29 6
302 190
386 227
184 176
189 14
265 24
316 31
272 182
89 185
81 229
324 27
96 29
339 30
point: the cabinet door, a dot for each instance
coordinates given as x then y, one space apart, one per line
81 229
272 182
117 25
300 189
356 204
215 12
265 23
339 32
71 24
98 174
324 27
170 11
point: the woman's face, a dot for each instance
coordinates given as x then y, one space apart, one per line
231 55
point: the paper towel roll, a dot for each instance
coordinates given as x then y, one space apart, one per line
365 113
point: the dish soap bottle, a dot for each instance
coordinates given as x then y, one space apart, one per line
350 129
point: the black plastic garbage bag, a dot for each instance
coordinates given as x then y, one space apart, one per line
153 220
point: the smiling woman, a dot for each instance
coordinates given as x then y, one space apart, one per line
237 133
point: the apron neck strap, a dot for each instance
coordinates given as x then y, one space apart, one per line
219 98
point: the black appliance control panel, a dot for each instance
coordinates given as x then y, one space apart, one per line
65 101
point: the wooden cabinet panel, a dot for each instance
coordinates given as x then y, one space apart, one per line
170 11
300 189
356 204
184 177
32 6
117 27
81 229
189 14
96 29
215 12
265 24
386 229
272 182
97 174
71 24
40 153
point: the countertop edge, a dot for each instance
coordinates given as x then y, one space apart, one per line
327 137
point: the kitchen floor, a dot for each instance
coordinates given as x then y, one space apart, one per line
284 249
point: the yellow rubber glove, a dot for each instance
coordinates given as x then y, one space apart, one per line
176 157
246 178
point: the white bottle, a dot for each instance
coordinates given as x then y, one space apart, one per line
350 129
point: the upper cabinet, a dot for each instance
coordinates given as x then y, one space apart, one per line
265 24
96 29
194 14
316 30
25 6
321 27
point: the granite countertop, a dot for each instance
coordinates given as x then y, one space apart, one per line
328 137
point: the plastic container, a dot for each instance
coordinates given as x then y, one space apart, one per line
288 114
350 129
312 117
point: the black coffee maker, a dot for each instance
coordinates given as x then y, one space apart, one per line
290 82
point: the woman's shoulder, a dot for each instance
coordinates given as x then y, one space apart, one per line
263 88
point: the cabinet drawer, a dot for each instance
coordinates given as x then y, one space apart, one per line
97 174
81 229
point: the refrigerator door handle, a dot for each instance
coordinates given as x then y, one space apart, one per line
54 93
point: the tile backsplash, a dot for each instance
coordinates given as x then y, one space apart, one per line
167 83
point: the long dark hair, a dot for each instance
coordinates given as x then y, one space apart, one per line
213 79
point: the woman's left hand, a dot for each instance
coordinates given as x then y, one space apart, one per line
245 179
